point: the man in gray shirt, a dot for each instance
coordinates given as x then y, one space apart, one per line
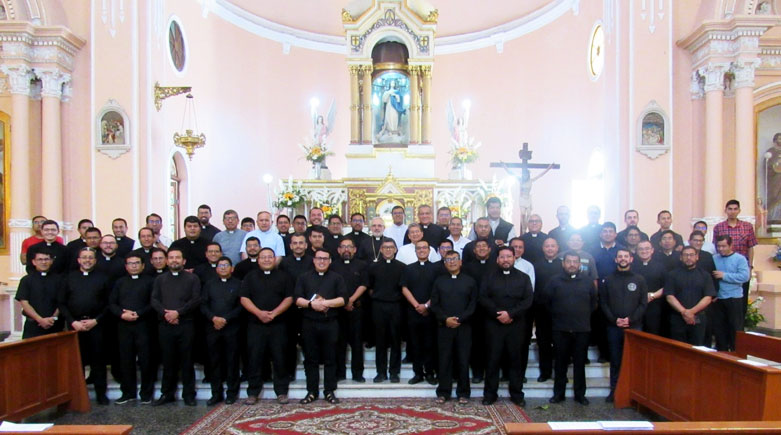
230 239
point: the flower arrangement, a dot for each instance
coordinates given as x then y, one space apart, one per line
315 152
753 316
464 151
289 194
329 207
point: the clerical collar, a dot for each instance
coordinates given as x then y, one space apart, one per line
231 231
192 242
453 276
336 236
223 280
146 250
213 265
645 263
573 276
203 227
267 272
388 261
175 273
107 257
377 238
48 243
482 261
159 270
357 233
119 239
321 273
506 272
534 234
84 273
375 260
550 261
298 258
253 260
43 273
133 276
346 261
422 263
425 227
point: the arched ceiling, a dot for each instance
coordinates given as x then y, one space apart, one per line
456 17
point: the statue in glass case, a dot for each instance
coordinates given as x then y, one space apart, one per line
773 181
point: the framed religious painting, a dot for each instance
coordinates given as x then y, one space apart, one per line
112 133
768 168
653 131
177 46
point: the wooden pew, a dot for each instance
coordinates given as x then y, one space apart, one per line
700 427
761 346
114 429
40 373
681 383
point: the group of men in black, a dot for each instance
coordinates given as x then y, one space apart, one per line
470 309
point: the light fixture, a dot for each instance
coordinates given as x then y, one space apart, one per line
190 140
160 93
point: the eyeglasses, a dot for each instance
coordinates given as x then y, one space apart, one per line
133 263
322 258
452 260
223 266
154 221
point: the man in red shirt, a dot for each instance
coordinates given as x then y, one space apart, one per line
743 239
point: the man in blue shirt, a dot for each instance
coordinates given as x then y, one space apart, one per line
268 238
731 271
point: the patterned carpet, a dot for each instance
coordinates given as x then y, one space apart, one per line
360 416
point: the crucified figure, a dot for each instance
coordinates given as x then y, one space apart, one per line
526 181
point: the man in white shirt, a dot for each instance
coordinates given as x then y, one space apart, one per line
456 227
407 254
399 228
155 222
267 236
521 264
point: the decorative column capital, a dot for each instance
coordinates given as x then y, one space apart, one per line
714 76
354 69
743 70
414 70
697 85
19 77
367 69
52 81
425 70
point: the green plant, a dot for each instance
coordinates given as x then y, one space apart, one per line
753 316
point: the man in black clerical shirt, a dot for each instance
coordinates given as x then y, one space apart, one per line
92 238
416 284
75 245
631 219
432 233
357 220
109 262
622 300
316 239
562 232
267 293
296 265
320 293
591 230
651 268
208 271
146 238
481 265
130 302
453 302
83 303
283 228
38 292
221 308
482 229
124 243
207 230
316 218
354 273
59 253
689 290
505 297
176 296
384 282
665 220
247 265
533 239
545 269
444 214
570 298
192 245
369 249
159 261
667 253
334 236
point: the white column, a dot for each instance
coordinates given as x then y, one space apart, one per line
745 165
714 138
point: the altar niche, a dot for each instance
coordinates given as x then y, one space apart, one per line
390 94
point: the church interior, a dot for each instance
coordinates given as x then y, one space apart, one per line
120 109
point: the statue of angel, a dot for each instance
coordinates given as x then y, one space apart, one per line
458 125
321 128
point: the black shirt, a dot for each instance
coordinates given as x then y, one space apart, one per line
244 267
509 290
432 233
562 236
328 285
625 294
331 244
479 269
74 246
286 242
41 291
297 266
180 291
468 254
358 238
60 262
354 273
385 280
654 272
146 257
209 231
419 279
124 246
656 239
544 270
590 234
671 261
206 272
689 286
266 290
454 296
220 297
369 249
570 300
532 244
134 294
194 251
84 296
112 267
621 237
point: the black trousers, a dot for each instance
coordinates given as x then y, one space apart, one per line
133 342
568 345
500 338
319 339
454 345
421 346
387 329
653 318
223 351
526 341
615 342
266 340
92 355
293 322
692 334
350 331
544 325
477 357
727 318
32 330
176 345
745 294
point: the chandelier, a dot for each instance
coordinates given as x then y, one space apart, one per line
190 140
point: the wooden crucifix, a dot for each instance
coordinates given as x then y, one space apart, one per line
525 180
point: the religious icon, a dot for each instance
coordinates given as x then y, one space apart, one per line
176 46
772 172
112 128
390 101
653 129
322 127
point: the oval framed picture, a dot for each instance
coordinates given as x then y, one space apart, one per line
596 51
177 46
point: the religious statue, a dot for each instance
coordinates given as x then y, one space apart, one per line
462 147
772 168
392 109
321 129
316 145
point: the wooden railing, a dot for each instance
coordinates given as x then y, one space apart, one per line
40 373
762 346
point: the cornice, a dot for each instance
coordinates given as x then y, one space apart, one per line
728 30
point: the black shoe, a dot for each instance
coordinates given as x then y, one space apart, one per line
556 399
89 380
206 380
477 379
525 380
543 378
582 400
415 380
214 400
190 401
406 360
609 398
230 400
431 379
123 400
146 401
520 402
588 361
395 379
380 379
487 401
102 400
504 379
359 378
341 378
163 400
603 360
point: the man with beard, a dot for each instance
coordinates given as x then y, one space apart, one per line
653 271
230 239
544 270
357 235
320 293
124 243
570 298
83 303
432 233
369 249
416 283
192 245
109 262
483 230
623 300
252 249
334 236
37 294
296 264
453 301
176 295
208 231
689 290
384 282
480 267
283 228
505 296
353 271
267 293
130 302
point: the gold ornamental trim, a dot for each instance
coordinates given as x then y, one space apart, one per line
385 66
347 18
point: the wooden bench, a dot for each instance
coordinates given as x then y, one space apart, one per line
761 346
